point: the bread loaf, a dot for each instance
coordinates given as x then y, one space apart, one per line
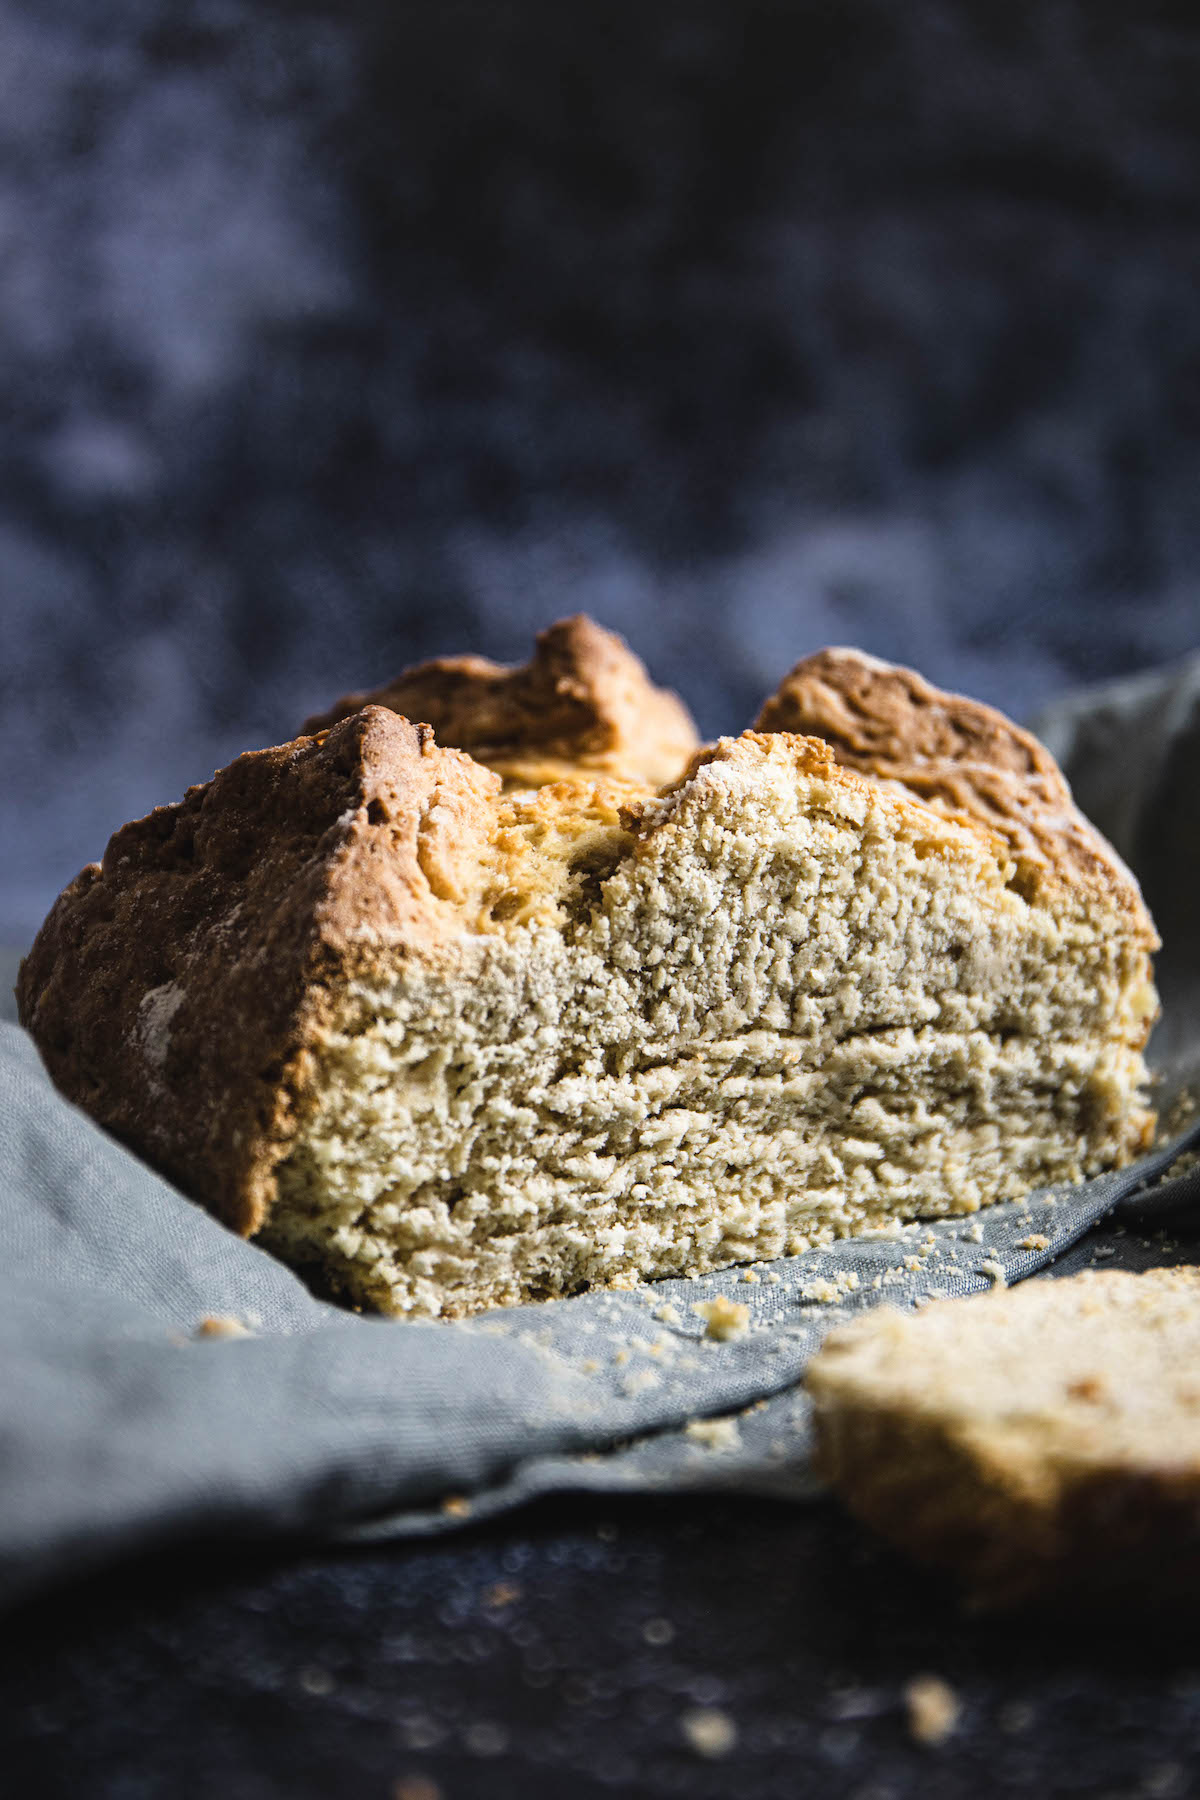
540 995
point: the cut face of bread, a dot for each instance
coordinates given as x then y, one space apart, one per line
1041 1438
458 1043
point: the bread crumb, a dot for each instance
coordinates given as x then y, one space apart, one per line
457 1506
751 1275
667 1314
709 1731
723 1318
974 1232
714 1434
933 1709
1037 1240
222 1325
1180 1113
994 1272
824 1291
913 1264
772 1279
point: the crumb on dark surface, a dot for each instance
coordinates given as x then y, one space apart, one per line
359 1672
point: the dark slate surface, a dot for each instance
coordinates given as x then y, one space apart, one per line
326 1679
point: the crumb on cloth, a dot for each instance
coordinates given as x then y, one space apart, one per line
222 1325
1177 1116
714 1434
723 1318
825 1290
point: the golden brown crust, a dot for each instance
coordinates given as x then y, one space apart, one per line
173 986
583 701
963 759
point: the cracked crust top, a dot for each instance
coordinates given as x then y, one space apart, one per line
961 758
583 702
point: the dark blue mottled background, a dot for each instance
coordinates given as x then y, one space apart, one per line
336 336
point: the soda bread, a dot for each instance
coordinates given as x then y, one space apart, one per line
567 1001
1036 1440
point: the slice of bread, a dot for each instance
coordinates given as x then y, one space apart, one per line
460 1037
1035 1441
